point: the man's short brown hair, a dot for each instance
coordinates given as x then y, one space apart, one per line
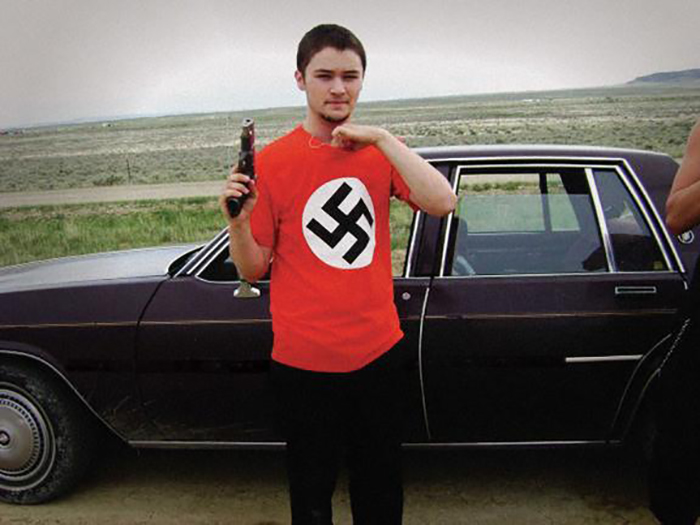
328 35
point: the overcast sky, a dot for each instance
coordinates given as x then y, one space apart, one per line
62 60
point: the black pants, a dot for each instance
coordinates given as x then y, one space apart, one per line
328 417
674 477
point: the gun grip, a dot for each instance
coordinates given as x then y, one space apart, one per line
235 205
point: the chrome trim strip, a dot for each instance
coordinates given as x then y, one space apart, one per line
550 275
212 253
509 444
68 383
660 311
603 359
412 243
420 361
70 325
448 227
658 223
551 163
602 224
202 253
184 269
207 445
213 445
206 322
134 324
560 160
222 246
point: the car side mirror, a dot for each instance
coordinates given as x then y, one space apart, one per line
246 291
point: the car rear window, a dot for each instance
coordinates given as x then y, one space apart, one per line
634 247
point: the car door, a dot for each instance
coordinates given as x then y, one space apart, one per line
542 309
203 354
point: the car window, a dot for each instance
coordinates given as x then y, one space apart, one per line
634 247
536 222
221 268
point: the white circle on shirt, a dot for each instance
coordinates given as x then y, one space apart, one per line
339 224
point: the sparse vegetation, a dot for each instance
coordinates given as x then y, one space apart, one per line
200 147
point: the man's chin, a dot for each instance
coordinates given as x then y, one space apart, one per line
335 119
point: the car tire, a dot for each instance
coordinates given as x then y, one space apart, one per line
45 435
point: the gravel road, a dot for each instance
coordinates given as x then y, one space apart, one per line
125 193
530 487
112 193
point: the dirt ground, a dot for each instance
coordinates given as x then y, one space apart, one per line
112 193
562 487
120 193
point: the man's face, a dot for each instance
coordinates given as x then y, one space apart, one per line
332 82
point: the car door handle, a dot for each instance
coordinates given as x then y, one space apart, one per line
634 291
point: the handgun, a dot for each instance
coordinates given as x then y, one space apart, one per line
246 164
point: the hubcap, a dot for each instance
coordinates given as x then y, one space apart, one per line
26 444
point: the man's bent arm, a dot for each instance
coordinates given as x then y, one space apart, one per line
683 204
430 190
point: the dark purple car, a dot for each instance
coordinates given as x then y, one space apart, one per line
538 313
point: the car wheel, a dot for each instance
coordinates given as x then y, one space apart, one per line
45 436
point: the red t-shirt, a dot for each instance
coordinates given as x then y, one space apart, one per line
324 211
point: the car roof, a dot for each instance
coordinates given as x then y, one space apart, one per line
655 170
533 150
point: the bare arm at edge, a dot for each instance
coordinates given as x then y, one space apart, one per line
683 203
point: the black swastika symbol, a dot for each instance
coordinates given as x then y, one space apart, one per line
347 223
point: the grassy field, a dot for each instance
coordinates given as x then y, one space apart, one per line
36 233
45 232
200 147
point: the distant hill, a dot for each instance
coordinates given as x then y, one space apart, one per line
686 76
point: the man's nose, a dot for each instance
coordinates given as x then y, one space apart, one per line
337 86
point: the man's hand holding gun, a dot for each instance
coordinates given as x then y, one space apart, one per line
237 202
240 195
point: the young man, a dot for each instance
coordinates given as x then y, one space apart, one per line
674 479
320 210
